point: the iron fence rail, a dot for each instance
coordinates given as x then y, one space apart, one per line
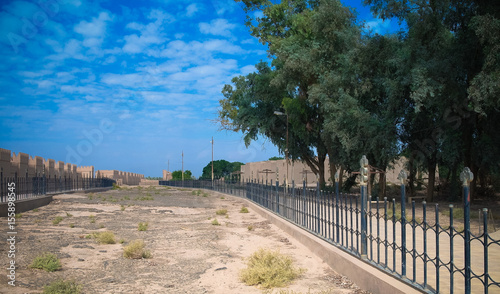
418 249
32 187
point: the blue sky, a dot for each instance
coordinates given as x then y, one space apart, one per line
126 85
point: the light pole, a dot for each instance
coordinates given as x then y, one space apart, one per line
212 162
286 150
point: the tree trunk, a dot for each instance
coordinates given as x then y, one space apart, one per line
341 177
411 176
431 169
321 169
381 186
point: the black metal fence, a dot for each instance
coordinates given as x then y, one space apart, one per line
32 187
412 244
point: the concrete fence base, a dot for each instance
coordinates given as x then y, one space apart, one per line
30 204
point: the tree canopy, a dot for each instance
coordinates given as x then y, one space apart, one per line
222 168
177 175
429 92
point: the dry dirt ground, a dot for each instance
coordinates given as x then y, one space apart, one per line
189 254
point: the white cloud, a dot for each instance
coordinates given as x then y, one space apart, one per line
95 28
378 26
149 34
197 52
126 80
223 6
93 32
191 9
218 27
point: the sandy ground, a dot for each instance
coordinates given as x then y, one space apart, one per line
189 254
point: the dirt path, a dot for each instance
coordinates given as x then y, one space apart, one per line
190 255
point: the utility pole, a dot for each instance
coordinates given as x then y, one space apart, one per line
212 161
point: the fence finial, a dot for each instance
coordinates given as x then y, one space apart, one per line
402 177
466 176
364 170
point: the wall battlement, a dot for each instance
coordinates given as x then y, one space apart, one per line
121 177
24 165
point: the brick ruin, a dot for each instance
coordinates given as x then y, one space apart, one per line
24 165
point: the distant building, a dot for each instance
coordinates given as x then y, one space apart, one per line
167 176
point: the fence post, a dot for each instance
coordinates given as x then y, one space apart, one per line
318 209
277 196
294 203
402 177
337 224
466 177
363 185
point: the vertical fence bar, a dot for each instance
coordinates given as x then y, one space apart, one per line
293 202
485 250
452 261
364 176
414 241
318 209
394 234
385 228
277 197
337 224
466 177
402 176
304 203
424 206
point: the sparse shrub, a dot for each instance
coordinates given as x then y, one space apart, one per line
221 212
215 222
122 208
116 187
135 250
18 215
71 225
269 269
244 210
106 238
92 218
68 214
250 228
144 198
36 210
62 287
101 226
143 226
205 194
222 197
122 241
47 261
57 220
126 198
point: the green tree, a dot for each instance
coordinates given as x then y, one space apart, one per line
276 158
453 82
222 168
177 175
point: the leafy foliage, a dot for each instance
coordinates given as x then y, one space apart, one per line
269 269
62 287
47 261
222 168
177 175
430 92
